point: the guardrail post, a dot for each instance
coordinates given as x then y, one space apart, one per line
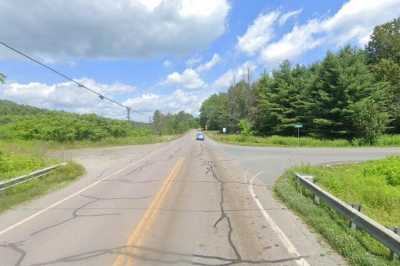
316 199
358 208
315 196
388 237
393 255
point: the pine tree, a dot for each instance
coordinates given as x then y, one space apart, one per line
343 79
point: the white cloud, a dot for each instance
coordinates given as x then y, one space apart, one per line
234 75
111 28
189 79
67 96
215 60
293 44
356 19
258 34
192 61
285 17
177 101
352 23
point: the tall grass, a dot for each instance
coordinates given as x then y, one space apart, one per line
283 141
40 186
367 183
375 185
17 160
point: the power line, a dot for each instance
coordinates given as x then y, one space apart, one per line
66 77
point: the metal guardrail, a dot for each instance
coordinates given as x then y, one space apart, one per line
384 235
25 178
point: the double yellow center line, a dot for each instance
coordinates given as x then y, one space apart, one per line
138 233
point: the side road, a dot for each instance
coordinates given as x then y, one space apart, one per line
266 164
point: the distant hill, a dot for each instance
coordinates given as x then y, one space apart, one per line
11 108
30 123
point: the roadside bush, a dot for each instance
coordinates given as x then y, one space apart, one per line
390 169
369 119
245 127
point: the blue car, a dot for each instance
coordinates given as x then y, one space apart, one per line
200 136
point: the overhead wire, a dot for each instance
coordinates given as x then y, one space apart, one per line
66 77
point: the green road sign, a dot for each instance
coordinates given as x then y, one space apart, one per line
298 125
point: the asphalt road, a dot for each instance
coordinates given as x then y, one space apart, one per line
177 203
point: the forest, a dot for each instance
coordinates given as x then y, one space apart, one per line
353 93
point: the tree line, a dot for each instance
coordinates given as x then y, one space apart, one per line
31 123
353 93
169 124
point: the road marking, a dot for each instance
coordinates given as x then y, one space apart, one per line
33 216
149 216
285 240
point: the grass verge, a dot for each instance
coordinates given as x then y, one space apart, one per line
40 186
281 141
17 160
139 140
356 246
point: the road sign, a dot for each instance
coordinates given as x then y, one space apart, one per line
298 125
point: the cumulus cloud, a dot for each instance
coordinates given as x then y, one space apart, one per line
293 44
67 96
234 75
194 60
111 28
356 19
189 79
215 60
352 23
177 101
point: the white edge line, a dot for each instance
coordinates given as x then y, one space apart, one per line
29 218
285 240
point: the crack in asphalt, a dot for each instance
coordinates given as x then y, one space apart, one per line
223 216
139 168
174 257
76 214
186 258
15 247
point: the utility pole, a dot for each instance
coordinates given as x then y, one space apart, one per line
128 110
248 77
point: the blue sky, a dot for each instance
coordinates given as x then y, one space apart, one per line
167 54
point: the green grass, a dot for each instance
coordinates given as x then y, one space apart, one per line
368 183
40 186
375 185
17 160
281 141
